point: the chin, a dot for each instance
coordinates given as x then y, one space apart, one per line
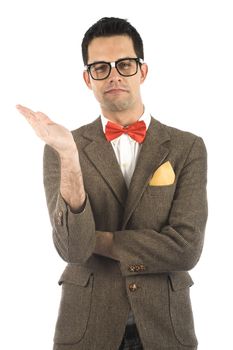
118 106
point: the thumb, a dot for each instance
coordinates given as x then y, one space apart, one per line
43 117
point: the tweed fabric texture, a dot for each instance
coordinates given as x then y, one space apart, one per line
158 237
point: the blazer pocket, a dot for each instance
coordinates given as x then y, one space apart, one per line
161 191
75 304
180 308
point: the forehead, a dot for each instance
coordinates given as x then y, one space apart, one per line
110 48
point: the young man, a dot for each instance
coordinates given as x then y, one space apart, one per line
127 201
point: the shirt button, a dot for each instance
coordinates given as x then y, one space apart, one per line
133 287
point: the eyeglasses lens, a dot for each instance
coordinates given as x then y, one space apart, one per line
127 68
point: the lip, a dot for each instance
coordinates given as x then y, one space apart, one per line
115 91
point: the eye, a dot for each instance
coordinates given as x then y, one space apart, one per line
99 68
125 65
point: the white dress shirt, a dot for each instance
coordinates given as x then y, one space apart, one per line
127 151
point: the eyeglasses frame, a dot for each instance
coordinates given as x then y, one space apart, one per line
114 64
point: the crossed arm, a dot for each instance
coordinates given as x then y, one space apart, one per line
176 247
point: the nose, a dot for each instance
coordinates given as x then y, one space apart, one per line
114 75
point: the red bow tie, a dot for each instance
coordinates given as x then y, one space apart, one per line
137 131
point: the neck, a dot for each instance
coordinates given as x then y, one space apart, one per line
125 117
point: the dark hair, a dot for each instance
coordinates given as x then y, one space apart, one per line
110 26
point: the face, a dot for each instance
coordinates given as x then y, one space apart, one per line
115 93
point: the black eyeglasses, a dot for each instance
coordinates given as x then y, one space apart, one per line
127 67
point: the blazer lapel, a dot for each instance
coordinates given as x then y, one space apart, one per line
153 152
102 156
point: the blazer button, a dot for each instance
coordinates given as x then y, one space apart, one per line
131 268
60 218
136 268
141 267
133 287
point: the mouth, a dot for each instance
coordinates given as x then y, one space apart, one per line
115 91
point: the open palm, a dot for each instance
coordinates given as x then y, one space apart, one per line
55 135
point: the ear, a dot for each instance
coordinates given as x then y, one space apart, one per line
144 71
87 79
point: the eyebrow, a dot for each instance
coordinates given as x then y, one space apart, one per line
123 58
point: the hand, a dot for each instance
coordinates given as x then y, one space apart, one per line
55 135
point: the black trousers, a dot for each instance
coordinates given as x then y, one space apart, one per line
131 339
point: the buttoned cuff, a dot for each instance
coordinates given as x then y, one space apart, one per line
75 231
64 214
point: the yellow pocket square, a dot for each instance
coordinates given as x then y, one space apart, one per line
163 176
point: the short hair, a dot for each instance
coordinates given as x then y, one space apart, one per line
110 26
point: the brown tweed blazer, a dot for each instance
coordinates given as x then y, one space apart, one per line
158 236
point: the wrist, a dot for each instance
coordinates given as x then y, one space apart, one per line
70 165
70 153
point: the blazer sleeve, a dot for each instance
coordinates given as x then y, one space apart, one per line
73 234
178 245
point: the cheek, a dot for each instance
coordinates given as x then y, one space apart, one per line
97 92
135 86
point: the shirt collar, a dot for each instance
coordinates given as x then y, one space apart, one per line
146 117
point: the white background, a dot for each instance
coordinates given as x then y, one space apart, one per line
188 47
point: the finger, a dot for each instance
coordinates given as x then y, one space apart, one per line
38 120
32 116
24 109
44 118
27 112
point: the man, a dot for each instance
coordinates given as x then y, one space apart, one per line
127 202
